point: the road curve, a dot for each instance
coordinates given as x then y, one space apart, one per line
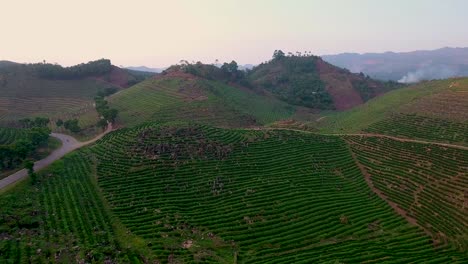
69 144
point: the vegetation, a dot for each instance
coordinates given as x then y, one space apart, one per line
414 126
72 125
107 114
426 181
168 99
434 111
294 79
31 90
18 144
55 71
62 219
197 193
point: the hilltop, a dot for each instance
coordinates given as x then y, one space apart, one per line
307 80
49 90
407 67
176 95
228 96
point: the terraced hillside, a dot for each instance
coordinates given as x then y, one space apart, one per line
181 193
10 135
428 183
186 97
61 219
25 92
196 193
435 110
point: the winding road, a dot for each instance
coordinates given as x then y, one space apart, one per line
69 144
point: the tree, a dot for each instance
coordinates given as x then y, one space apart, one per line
110 114
59 123
29 165
278 54
72 125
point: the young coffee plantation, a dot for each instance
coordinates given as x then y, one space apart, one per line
185 192
427 182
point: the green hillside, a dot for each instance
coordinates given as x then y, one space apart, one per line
435 110
193 193
427 182
186 97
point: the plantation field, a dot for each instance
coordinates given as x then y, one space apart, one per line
428 182
417 126
10 135
51 107
406 101
62 219
168 99
23 94
197 193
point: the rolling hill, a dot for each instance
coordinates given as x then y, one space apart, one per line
311 82
182 96
210 165
435 110
29 90
183 193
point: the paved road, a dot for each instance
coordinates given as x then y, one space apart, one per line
69 144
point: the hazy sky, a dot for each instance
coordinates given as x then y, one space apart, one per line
160 33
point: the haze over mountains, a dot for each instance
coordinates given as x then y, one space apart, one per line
406 67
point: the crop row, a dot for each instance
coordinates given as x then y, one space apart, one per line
63 219
414 126
278 196
429 182
10 135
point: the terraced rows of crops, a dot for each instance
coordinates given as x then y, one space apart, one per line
213 195
10 135
60 220
429 182
451 105
206 101
139 103
52 107
414 126
265 110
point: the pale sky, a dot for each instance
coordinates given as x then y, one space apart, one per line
160 33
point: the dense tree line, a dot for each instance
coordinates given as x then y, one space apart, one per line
107 114
14 154
92 68
227 72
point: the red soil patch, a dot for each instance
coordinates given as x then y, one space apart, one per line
176 74
117 77
339 86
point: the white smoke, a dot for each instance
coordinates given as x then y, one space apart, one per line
431 72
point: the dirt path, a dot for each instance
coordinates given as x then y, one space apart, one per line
69 144
381 136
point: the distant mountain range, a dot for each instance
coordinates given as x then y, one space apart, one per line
406 67
159 70
145 69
